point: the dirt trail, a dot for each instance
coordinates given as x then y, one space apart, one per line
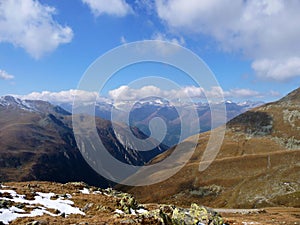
278 215
240 211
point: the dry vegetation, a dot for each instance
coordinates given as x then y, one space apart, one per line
100 208
257 165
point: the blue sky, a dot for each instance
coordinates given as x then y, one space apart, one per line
252 47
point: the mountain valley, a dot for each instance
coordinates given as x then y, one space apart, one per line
257 165
37 143
254 178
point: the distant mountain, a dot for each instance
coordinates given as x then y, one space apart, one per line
37 143
257 165
102 109
35 106
144 110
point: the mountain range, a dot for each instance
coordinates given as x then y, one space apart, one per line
37 143
257 165
143 111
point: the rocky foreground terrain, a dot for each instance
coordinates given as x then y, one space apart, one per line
42 203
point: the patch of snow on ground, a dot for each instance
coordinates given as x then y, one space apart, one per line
141 211
85 191
42 199
64 206
132 211
119 211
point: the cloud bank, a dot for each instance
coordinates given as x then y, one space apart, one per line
278 69
30 25
266 31
62 96
126 93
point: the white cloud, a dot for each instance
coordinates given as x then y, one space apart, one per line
112 7
30 25
242 93
277 69
64 96
5 76
145 7
123 40
163 37
259 29
161 44
125 93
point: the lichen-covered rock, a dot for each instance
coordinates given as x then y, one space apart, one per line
195 215
4 204
128 203
165 213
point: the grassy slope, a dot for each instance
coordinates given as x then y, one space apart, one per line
257 166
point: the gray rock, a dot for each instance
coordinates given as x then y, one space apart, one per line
87 207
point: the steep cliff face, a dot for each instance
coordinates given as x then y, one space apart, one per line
257 165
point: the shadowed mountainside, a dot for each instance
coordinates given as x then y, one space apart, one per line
37 143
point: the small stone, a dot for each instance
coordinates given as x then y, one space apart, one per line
38 222
20 206
4 204
43 222
87 207
128 221
33 223
57 211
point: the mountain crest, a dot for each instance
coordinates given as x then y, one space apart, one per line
293 97
37 106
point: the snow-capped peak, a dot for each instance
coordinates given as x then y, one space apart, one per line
38 106
11 101
250 103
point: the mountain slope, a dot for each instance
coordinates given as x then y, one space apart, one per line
257 165
37 143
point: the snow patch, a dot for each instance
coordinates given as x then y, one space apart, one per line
41 203
85 191
119 211
141 211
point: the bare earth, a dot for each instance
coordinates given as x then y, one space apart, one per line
276 215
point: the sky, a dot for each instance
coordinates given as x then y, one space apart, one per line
252 47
